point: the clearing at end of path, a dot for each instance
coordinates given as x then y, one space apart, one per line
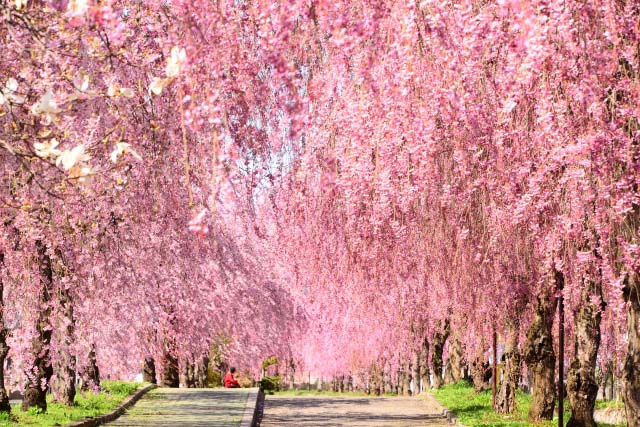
326 411
187 407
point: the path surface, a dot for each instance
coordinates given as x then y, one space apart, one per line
330 411
170 407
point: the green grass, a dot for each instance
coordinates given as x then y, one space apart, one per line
327 393
474 409
87 404
604 404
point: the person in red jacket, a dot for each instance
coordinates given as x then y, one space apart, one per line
229 379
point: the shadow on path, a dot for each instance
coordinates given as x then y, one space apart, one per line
325 411
166 407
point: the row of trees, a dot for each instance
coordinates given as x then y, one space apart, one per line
108 261
359 178
466 166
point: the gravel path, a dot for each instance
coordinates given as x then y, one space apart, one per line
170 407
330 411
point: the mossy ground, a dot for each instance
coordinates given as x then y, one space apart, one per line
474 409
87 404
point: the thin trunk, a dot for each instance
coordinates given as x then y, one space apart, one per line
4 348
424 367
64 387
201 372
415 362
631 370
189 375
406 380
91 373
541 360
149 370
438 342
582 387
39 374
506 399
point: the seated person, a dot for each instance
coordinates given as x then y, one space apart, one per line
229 379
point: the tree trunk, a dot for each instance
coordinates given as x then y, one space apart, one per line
406 380
190 375
91 373
376 380
582 387
64 388
4 348
506 398
424 367
415 373
456 359
631 370
171 375
201 372
541 360
481 374
438 342
149 370
39 374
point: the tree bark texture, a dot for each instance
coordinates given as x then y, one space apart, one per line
149 370
4 348
541 360
406 380
171 374
438 342
201 372
631 369
481 374
425 382
415 373
91 373
582 387
39 375
511 361
455 362
64 387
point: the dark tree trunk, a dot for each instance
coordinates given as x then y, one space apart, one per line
582 387
4 348
438 342
171 375
149 370
506 398
190 375
91 373
201 372
424 367
631 370
415 373
64 388
541 360
481 374
39 374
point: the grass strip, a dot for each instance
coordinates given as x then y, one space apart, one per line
87 404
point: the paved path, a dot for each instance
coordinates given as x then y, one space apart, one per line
187 407
330 411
